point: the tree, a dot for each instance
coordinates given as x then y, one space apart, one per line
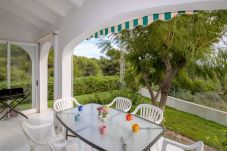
85 67
110 64
159 51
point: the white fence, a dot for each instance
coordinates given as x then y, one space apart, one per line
202 111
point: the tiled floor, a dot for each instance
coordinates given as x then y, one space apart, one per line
11 134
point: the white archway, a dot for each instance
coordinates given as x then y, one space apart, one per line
77 27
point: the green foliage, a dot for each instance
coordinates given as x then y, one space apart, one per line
201 85
14 84
107 97
85 67
110 65
162 49
193 85
51 63
132 79
3 63
87 85
21 66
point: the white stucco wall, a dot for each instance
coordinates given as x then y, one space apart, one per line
202 111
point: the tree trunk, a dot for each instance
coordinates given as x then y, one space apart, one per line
157 94
164 95
170 74
166 84
148 85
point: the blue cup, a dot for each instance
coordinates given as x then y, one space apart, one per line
80 108
77 117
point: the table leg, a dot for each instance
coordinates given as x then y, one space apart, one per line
66 134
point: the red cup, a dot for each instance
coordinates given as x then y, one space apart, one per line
102 129
128 117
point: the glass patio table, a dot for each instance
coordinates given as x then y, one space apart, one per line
118 136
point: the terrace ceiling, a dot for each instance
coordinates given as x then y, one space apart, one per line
28 20
33 15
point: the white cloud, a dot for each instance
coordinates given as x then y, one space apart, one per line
88 49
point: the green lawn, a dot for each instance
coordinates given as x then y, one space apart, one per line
186 124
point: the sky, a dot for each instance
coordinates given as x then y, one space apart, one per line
88 48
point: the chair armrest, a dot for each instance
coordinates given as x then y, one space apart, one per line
38 126
136 110
199 146
75 101
56 138
110 104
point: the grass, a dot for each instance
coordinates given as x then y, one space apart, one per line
189 125
196 128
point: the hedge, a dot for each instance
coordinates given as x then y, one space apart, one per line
91 84
84 85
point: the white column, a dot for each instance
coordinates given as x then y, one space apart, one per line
8 66
56 53
43 75
56 74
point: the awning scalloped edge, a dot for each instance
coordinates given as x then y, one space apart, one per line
144 21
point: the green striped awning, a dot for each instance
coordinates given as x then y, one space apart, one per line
144 21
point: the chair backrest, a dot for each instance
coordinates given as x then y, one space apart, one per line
168 144
37 134
65 103
121 103
149 112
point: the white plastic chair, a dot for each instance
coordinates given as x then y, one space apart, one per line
123 104
165 144
37 134
65 103
149 112
61 105
60 144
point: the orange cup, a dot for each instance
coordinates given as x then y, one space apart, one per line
135 128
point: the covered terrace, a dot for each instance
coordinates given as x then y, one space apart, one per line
38 25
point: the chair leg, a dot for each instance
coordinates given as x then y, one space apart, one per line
33 148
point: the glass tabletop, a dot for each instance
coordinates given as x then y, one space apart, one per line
118 134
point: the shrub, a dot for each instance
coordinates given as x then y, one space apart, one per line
87 85
107 97
92 84
203 86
